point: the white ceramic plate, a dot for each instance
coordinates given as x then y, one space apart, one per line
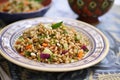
99 45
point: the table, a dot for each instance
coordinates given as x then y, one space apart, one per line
107 69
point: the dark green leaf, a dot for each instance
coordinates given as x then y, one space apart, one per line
38 56
65 32
57 25
51 58
42 36
21 37
52 35
27 53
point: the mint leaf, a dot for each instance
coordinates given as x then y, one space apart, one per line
57 25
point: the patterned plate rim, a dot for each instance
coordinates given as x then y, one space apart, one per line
59 69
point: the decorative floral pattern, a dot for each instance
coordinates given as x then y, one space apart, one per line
90 10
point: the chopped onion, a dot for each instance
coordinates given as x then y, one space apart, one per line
84 48
44 55
64 51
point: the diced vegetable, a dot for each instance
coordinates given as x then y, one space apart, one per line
48 26
45 44
80 54
44 55
64 51
77 37
21 37
42 36
65 32
22 53
52 35
46 50
18 42
72 60
28 47
27 53
57 25
38 56
51 58
84 48
65 46
33 54
58 44
26 2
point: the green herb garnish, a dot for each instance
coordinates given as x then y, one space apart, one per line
27 53
21 37
51 58
52 35
38 56
57 25
42 36
37 0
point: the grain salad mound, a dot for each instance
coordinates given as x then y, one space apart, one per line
52 43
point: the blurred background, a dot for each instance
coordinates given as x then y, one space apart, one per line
61 8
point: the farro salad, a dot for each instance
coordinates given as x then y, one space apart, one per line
54 43
18 6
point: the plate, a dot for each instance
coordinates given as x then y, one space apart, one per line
99 45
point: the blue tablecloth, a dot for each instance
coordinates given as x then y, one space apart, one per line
107 69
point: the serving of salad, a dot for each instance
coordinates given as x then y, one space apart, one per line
54 43
20 6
